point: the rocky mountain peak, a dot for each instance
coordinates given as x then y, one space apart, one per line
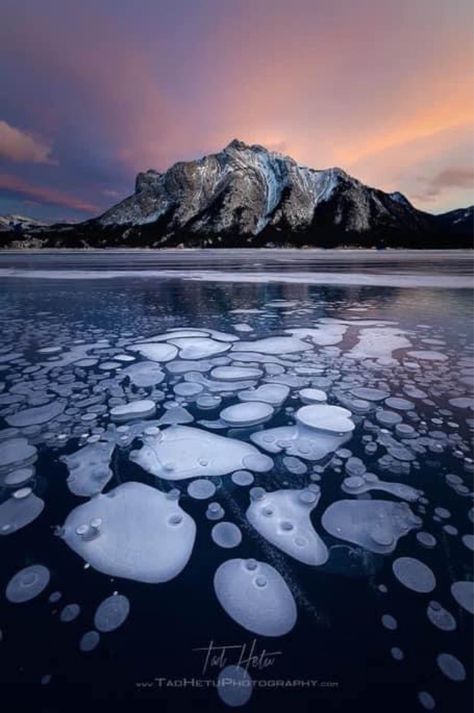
246 195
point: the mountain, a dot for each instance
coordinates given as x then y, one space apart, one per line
247 196
9 223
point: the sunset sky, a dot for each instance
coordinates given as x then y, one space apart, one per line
94 91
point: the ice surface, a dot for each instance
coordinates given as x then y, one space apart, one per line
414 575
133 409
89 468
133 531
36 415
283 518
273 394
234 686
182 452
27 584
111 613
463 593
247 414
375 525
256 596
226 534
201 489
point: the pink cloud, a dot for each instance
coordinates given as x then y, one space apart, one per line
453 177
22 147
43 194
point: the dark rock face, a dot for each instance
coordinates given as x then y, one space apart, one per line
247 196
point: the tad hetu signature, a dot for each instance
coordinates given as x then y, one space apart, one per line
245 655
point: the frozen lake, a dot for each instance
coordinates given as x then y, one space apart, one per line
229 447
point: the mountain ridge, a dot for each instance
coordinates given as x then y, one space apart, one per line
248 196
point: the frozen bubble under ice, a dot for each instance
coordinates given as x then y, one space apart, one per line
312 396
69 613
451 667
283 519
234 686
132 410
89 641
256 596
333 419
389 622
426 700
226 534
27 584
272 394
16 452
414 575
236 373
273 345
199 347
463 593
183 452
36 415
89 468
156 352
247 414
242 477
440 617
111 613
201 489
375 525
134 531
19 511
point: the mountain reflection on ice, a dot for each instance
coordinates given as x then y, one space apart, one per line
226 460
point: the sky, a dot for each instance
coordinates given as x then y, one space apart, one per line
94 91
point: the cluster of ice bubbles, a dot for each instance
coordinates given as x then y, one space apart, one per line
289 402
